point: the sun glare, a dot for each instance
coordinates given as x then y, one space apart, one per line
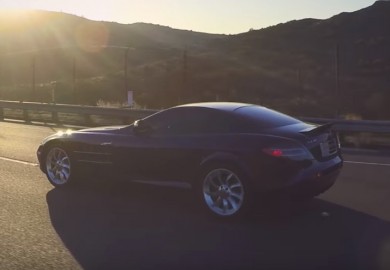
90 36
12 5
94 10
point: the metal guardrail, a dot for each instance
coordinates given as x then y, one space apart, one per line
87 111
127 113
353 125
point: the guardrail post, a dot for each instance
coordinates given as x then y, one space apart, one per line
25 115
54 117
88 120
125 120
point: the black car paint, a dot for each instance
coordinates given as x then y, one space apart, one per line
169 158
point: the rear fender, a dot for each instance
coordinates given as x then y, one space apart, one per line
229 160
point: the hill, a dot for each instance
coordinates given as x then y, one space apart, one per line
290 66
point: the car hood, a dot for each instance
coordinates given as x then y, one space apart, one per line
67 134
108 129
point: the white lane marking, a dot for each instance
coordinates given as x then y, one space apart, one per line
19 161
368 163
345 161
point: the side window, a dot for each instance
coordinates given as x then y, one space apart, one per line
183 121
186 121
172 121
191 121
221 123
163 120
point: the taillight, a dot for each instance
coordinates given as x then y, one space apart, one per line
273 152
292 153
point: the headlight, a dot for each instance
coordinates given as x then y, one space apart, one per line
67 132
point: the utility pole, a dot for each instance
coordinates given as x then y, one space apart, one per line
1 80
337 71
126 83
53 92
299 83
183 91
33 78
74 78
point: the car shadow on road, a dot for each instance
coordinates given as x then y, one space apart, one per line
136 227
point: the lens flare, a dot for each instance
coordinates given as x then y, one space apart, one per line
92 36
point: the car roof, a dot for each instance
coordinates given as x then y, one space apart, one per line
224 106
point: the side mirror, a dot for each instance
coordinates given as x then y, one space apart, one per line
140 127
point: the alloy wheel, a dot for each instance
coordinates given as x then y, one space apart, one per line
58 166
223 192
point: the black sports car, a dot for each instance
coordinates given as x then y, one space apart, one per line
230 153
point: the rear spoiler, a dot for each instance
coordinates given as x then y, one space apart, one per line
317 129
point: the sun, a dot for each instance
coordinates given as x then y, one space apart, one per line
90 9
14 5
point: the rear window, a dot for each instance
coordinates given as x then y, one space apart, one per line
265 118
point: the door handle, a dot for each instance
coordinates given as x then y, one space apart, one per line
106 143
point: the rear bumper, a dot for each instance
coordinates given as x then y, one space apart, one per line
315 184
311 180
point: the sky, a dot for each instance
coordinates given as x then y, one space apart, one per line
209 16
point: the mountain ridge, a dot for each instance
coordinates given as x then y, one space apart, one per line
289 66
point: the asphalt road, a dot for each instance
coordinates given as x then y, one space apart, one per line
108 226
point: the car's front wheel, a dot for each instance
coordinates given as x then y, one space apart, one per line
59 169
224 192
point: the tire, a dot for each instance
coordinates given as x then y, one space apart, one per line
59 168
224 191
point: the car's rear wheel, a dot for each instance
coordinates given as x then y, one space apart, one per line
59 169
224 191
